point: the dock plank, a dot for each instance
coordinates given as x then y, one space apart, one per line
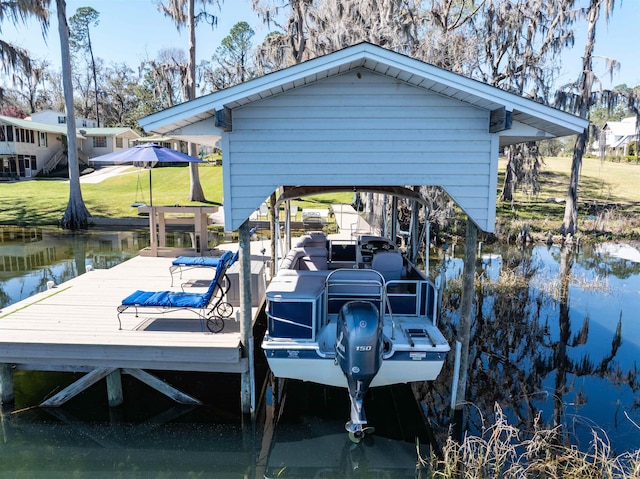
75 325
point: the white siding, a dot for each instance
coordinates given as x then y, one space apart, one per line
359 128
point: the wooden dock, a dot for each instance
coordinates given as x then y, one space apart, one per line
74 327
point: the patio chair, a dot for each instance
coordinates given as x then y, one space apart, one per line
182 263
208 306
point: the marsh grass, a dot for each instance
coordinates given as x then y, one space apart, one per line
502 451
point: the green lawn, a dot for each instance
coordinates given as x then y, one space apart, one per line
43 201
610 191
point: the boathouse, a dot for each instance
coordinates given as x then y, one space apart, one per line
361 116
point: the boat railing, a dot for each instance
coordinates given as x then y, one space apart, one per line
412 298
344 285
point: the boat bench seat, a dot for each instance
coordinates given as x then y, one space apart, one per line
306 258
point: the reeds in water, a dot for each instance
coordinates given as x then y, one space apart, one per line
502 452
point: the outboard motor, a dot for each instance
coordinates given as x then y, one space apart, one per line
359 354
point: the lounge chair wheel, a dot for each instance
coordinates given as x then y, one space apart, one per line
224 309
215 324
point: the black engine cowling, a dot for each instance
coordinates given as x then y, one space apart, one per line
359 345
359 353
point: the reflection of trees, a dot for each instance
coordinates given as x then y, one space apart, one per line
5 299
513 348
618 267
60 256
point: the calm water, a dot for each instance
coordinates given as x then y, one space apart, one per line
560 340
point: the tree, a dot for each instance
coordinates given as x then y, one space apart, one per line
121 101
13 112
76 216
232 59
166 76
29 80
80 41
580 99
183 14
11 55
521 39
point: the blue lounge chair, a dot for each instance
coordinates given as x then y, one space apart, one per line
187 262
208 306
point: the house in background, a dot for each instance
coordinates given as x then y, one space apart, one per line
100 141
38 145
53 117
619 135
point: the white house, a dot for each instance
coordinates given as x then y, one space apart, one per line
55 117
29 147
362 116
619 135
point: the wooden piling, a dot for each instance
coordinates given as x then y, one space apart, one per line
466 306
114 389
6 385
246 387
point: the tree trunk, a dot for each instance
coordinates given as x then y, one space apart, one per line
76 216
195 190
509 178
570 221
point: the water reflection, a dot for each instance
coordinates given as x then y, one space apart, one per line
31 257
174 444
555 336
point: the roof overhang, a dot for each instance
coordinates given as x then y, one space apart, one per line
179 121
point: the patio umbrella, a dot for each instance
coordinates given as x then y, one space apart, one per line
146 155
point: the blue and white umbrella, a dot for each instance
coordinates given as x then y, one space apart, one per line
146 155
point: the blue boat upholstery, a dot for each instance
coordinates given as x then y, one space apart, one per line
167 301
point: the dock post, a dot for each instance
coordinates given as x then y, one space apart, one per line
273 224
114 389
245 316
466 306
6 385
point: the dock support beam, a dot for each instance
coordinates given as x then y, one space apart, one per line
6 385
247 387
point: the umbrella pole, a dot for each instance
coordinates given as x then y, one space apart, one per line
150 189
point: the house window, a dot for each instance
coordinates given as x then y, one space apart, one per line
118 142
43 139
9 133
62 120
99 141
2 134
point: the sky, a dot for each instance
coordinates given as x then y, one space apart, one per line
131 31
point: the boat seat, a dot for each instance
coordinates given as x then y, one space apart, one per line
312 240
307 258
388 264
